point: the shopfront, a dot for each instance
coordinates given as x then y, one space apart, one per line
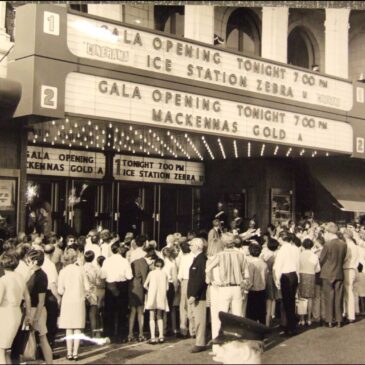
137 127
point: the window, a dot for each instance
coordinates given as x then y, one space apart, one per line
243 32
301 49
79 7
169 19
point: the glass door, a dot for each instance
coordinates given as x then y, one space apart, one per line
84 200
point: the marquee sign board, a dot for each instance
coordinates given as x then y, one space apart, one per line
122 45
83 39
69 163
155 170
119 100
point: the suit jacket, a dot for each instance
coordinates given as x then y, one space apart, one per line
197 287
213 234
332 259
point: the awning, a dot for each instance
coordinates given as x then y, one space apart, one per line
344 179
10 93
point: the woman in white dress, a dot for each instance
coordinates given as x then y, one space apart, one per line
157 285
73 286
12 290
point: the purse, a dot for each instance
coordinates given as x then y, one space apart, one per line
29 353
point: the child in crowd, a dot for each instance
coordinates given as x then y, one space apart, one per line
256 301
100 294
157 285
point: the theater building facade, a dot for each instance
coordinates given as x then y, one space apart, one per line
181 107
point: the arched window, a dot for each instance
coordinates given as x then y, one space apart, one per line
79 7
302 49
357 45
169 19
243 32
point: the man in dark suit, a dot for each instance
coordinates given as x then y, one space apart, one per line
332 275
197 289
134 216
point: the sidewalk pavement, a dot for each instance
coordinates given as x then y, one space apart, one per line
319 345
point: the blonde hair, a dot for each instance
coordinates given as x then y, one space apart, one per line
69 257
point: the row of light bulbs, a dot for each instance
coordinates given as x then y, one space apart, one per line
130 143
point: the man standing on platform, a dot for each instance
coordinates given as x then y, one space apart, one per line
332 260
221 216
197 289
216 231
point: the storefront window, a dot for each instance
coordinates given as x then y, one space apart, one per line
7 207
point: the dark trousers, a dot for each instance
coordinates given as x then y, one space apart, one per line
333 299
256 306
116 309
52 315
289 285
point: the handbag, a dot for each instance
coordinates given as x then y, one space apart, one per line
29 353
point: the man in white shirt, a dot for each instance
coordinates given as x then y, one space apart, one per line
53 299
117 272
350 265
186 310
286 275
138 252
93 244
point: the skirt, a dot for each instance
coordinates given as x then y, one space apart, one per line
307 286
10 318
272 292
73 315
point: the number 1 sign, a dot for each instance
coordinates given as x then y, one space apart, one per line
51 23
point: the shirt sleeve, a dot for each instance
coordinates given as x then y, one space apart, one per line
147 282
61 283
277 267
211 264
128 271
42 285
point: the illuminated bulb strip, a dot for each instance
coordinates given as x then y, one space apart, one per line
302 152
289 152
276 150
221 147
249 149
314 153
178 145
327 154
194 147
235 148
263 150
208 148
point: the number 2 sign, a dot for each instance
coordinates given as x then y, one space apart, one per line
49 97
51 23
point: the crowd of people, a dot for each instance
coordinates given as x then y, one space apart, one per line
107 286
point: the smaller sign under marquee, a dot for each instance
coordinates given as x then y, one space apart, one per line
154 170
70 163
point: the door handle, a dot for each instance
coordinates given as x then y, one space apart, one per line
157 217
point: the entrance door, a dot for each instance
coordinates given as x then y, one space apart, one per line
46 205
176 210
83 200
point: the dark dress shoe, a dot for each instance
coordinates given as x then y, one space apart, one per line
197 349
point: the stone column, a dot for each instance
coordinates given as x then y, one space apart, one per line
199 23
337 42
274 45
110 11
